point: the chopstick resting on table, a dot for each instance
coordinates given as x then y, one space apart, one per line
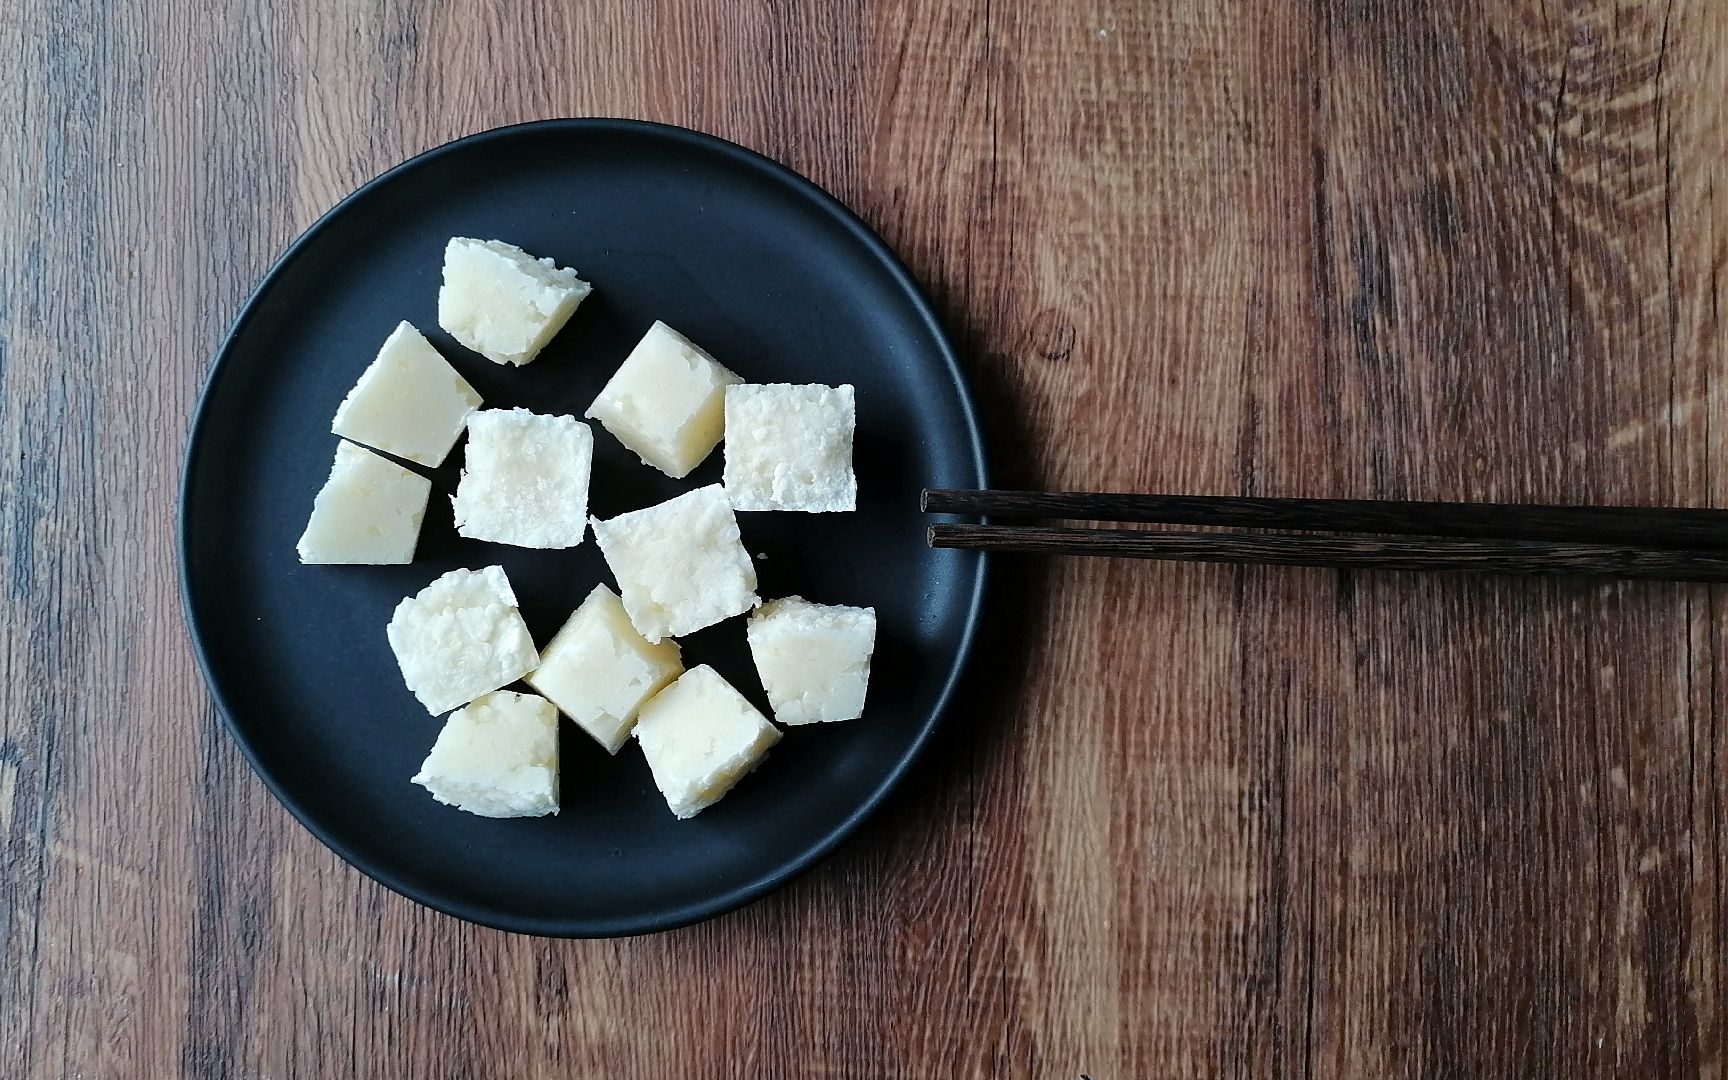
1670 544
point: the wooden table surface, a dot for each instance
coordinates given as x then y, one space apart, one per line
1190 821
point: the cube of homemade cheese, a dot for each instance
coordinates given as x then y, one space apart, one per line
680 564
599 670
789 447
497 757
502 302
368 511
700 737
814 659
525 479
409 401
667 402
460 637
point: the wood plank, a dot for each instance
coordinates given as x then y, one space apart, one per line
1192 820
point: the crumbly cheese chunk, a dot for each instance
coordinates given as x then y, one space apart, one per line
667 402
525 479
598 670
814 659
502 302
680 564
461 637
789 447
700 737
409 401
368 511
497 757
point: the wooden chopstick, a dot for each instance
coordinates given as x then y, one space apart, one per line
1648 527
1345 552
1660 543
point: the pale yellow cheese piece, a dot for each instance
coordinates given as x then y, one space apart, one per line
408 402
789 447
461 637
368 511
814 659
502 302
700 737
524 479
667 402
681 564
497 757
598 670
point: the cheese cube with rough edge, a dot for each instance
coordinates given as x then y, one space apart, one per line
524 479
667 403
409 401
461 637
502 302
496 757
598 670
814 659
789 447
368 511
680 564
700 737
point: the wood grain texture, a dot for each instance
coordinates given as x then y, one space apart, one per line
1192 821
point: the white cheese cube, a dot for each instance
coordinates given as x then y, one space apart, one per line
700 737
460 637
680 564
789 447
598 670
814 659
502 302
409 401
525 479
667 402
368 511
497 758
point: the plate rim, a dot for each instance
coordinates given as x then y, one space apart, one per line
802 861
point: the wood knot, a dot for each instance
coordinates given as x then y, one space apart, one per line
1051 336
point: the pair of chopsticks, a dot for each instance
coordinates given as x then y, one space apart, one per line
1662 544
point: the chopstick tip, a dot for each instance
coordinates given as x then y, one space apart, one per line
924 501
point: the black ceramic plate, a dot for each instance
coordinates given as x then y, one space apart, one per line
757 265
